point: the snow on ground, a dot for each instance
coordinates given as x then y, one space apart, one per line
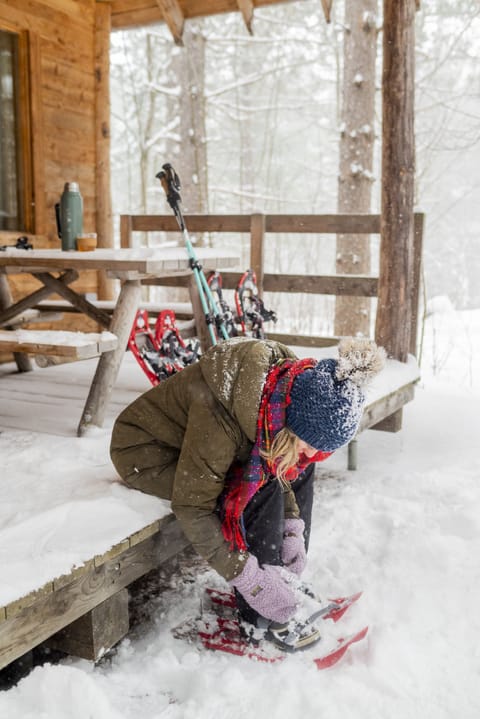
405 527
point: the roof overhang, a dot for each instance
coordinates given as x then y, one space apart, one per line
136 13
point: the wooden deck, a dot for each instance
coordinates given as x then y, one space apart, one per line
57 395
46 402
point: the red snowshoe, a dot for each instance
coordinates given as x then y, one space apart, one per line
250 308
163 352
216 288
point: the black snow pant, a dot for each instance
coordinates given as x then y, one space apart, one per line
264 524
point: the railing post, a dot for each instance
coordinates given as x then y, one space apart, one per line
257 233
418 226
125 231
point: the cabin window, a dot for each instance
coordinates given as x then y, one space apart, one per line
15 178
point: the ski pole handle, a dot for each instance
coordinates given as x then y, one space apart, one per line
170 182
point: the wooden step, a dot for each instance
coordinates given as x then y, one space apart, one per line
75 345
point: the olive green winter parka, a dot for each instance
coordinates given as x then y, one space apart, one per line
178 440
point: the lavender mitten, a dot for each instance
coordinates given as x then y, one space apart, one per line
266 591
294 555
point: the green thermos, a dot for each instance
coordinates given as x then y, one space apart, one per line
69 214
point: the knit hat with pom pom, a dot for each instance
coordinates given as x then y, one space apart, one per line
326 402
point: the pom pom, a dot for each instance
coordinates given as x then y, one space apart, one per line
359 360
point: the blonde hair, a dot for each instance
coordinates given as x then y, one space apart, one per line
283 451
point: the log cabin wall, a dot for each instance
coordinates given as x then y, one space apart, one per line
60 41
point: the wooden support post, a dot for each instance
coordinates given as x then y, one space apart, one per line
125 231
392 423
90 636
418 226
103 215
173 16
353 454
109 363
246 8
22 361
398 174
327 9
257 237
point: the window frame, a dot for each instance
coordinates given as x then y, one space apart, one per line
24 134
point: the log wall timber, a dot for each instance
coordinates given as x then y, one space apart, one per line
61 48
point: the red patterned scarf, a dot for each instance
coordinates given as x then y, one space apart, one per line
244 480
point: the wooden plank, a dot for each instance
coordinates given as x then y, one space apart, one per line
115 551
133 13
392 423
311 224
22 361
126 226
183 310
360 286
194 223
302 340
17 606
86 307
21 319
353 285
58 343
35 623
144 533
69 100
53 24
93 634
386 406
324 224
72 576
167 260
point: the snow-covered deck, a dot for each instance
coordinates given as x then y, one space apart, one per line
69 529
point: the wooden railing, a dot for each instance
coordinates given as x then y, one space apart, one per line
258 226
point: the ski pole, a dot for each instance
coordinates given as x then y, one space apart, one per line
170 182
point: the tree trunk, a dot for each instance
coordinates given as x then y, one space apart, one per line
192 150
394 312
352 314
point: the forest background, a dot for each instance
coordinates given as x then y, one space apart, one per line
254 123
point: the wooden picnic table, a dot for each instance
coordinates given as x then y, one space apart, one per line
56 270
